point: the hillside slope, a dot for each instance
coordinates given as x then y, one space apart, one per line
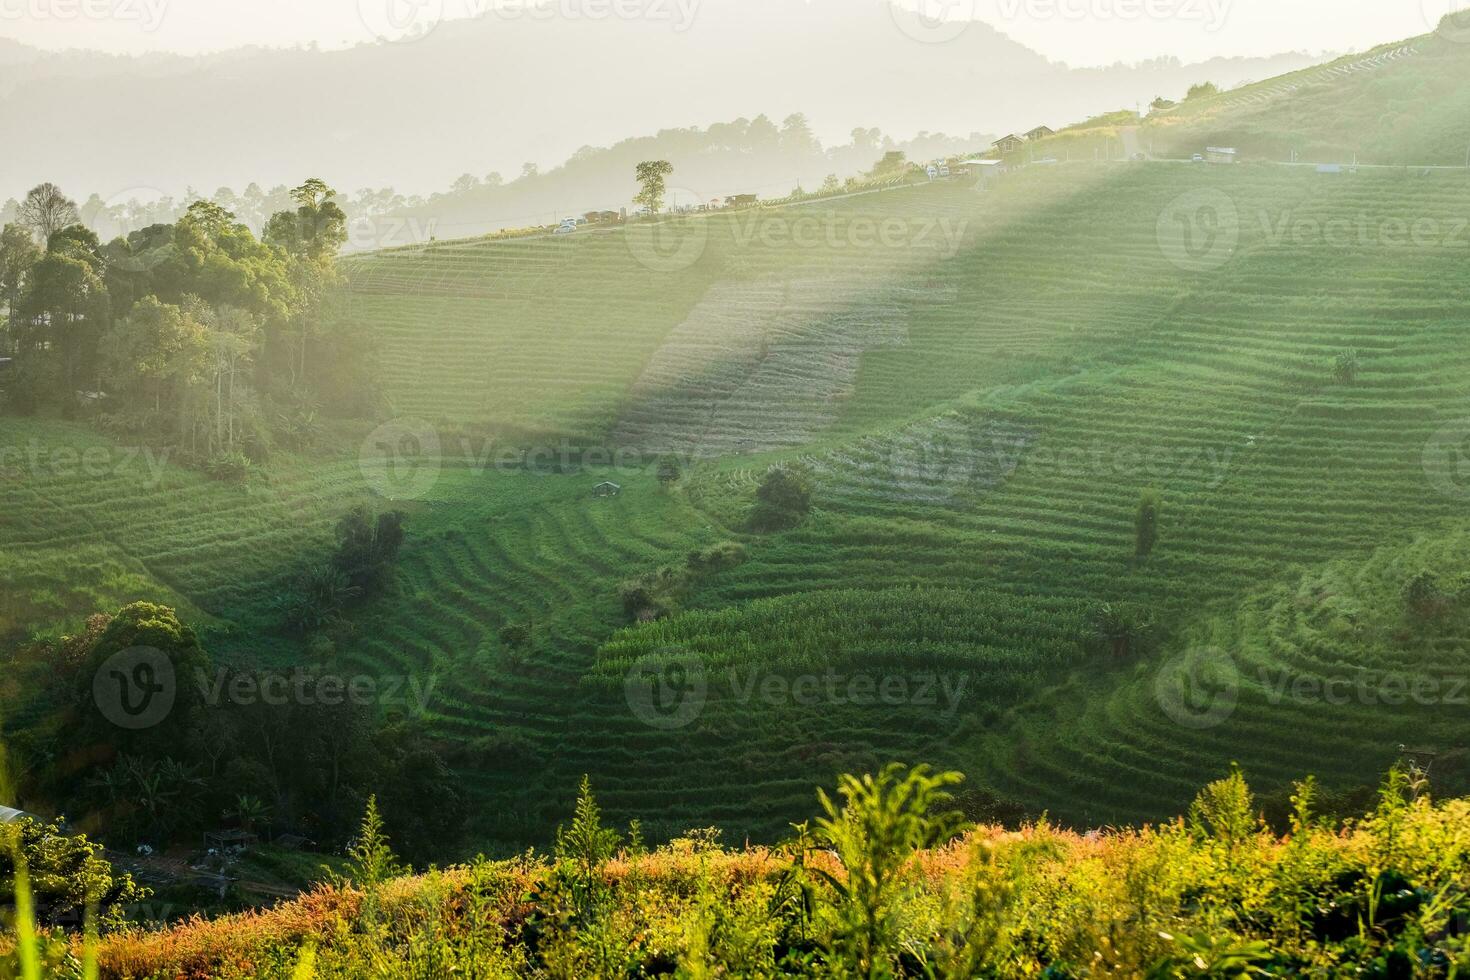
1403 103
980 408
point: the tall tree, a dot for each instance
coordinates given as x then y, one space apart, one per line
18 256
311 235
46 210
651 176
67 306
797 138
153 353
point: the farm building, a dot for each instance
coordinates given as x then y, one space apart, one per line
1008 144
1040 132
740 200
607 489
1220 154
9 814
976 165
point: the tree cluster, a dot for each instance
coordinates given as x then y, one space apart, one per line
196 333
232 750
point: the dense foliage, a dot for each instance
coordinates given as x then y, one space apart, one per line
194 334
887 884
232 746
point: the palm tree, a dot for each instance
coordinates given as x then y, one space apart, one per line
249 811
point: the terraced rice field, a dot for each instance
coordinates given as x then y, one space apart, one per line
980 420
87 524
1328 667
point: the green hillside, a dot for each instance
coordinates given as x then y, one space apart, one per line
1399 104
981 384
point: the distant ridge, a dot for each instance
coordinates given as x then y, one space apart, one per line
489 94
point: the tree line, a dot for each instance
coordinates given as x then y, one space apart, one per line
195 332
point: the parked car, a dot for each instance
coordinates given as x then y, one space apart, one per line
1198 158
565 230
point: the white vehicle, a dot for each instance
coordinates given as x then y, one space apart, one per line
565 230
944 170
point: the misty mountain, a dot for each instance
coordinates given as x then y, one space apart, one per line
493 93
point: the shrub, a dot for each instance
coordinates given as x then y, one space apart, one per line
321 595
229 467
726 554
669 471
370 857
782 500
69 876
516 636
1425 598
1345 367
882 823
1121 627
367 548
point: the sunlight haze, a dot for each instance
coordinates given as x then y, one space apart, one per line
1078 32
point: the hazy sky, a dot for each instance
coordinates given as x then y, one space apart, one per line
1080 32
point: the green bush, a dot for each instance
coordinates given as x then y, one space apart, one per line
782 500
229 467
